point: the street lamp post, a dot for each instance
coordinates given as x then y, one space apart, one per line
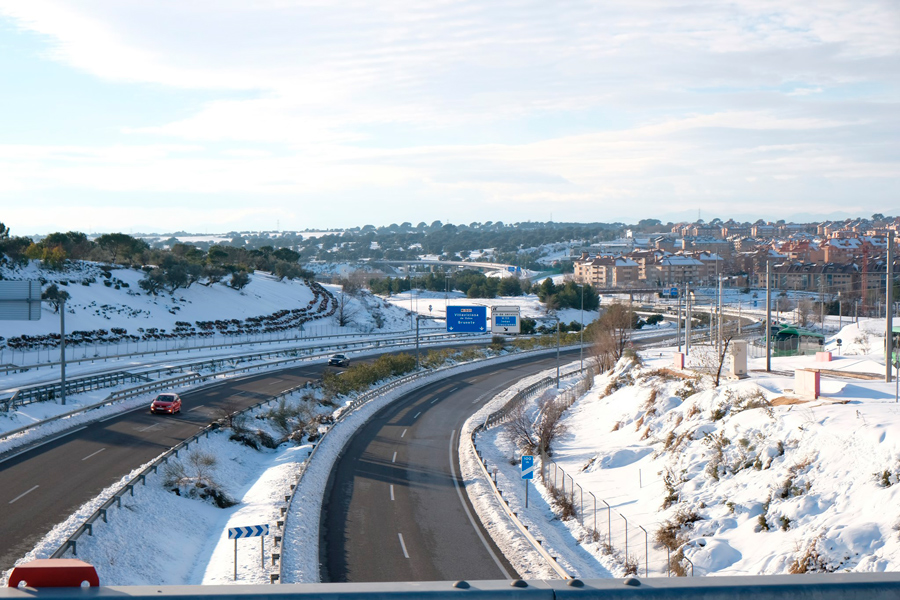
581 350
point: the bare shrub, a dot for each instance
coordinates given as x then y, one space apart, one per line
810 560
193 478
563 504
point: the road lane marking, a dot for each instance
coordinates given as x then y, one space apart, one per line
395 458
469 514
196 408
435 400
151 427
392 492
94 454
37 486
402 545
417 415
403 434
51 440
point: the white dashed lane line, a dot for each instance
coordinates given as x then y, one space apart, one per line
23 494
403 434
93 454
392 492
417 415
402 545
393 460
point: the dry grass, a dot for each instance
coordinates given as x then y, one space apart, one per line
787 401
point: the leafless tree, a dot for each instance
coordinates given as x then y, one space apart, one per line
536 434
711 360
345 312
610 335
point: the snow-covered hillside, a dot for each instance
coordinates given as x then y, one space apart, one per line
107 305
743 479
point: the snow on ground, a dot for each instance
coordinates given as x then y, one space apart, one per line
160 538
525 559
743 479
124 305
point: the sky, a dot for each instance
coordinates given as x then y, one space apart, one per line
221 115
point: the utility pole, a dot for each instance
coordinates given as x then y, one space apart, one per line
678 323
687 321
557 352
581 350
719 320
768 316
62 350
888 305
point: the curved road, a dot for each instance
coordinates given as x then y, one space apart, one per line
395 508
45 483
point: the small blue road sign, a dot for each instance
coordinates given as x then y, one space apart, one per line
235 533
527 467
673 292
467 319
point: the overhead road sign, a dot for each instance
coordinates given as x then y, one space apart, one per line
506 319
467 319
20 300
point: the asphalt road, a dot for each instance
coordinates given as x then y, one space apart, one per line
43 485
395 508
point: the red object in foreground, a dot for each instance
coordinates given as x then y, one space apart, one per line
54 572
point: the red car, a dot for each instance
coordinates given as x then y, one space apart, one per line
166 403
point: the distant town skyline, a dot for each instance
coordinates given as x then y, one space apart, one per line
218 116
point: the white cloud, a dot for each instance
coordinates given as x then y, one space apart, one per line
481 103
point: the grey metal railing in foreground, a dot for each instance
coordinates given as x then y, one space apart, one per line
833 586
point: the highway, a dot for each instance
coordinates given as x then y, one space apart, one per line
395 508
44 484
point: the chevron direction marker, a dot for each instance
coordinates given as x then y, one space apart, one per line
235 533
260 531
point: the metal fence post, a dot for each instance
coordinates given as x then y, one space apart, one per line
646 552
608 523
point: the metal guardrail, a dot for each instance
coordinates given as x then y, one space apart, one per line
6 368
190 378
128 488
49 391
492 420
832 586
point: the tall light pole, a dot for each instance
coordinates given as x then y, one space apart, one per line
581 350
768 316
62 350
888 305
557 352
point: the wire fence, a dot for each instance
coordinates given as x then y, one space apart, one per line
625 538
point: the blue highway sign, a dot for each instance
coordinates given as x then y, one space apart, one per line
467 319
527 467
235 533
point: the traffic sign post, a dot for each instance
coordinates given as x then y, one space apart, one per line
527 473
260 531
467 319
505 319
